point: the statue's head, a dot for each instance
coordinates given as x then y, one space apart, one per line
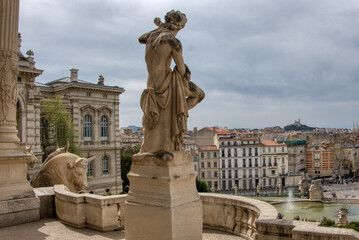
174 20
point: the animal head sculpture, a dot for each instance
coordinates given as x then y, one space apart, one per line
64 168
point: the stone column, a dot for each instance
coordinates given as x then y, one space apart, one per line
17 199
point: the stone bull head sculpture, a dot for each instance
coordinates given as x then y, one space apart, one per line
64 168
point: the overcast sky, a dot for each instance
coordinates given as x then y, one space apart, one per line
260 63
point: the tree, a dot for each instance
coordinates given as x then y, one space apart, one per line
56 126
126 162
201 186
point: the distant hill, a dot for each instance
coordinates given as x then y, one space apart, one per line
297 126
134 128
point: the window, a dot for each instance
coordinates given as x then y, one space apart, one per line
202 164
19 79
235 173
229 152
235 152
273 172
264 172
275 161
105 164
202 155
223 185
87 128
270 182
195 167
230 184
250 152
222 152
215 174
282 149
244 163
89 169
202 174
209 185
269 161
229 163
215 164
43 130
264 162
223 164
208 164
223 174
235 162
214 154
104 128
208 155
275 149
256 162
229 173
244 152
209 175
264 182
269 150
275 181
283 171
256 151
244 173
250 162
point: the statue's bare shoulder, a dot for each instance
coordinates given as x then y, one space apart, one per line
158 37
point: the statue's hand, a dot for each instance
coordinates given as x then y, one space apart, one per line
187 75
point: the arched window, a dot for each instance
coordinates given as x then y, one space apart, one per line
104 128
87 128
105 165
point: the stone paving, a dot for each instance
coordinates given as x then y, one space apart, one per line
51 229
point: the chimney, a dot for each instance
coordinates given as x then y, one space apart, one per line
74 74
101 80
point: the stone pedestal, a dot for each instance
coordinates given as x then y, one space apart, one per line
163 202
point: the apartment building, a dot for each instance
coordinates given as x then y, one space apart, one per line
274 158
240 162
208 165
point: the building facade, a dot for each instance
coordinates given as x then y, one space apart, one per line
239 162
94 109
208 166
274 157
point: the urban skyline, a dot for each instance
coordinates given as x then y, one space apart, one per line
260 63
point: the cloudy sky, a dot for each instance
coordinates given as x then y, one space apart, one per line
260 63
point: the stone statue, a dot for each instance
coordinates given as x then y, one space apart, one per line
169 93
304 184
316 190
63 168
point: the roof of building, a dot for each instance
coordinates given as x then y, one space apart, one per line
219 131
188 142
208 148
271 143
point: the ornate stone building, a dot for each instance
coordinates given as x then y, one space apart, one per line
95 112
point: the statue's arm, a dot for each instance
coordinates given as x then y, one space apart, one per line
177 56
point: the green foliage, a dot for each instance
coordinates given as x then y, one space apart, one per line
201 186
327 222
352 225
126 162
57 126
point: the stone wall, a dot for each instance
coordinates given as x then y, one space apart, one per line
233 214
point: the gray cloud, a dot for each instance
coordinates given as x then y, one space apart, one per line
261 63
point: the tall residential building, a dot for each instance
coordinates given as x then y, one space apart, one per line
239 162
208 165
296 160
274 163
